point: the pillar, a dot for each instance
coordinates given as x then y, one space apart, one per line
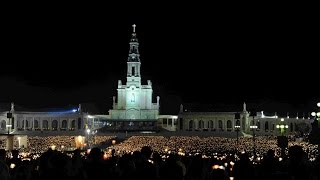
68 124
59 124
32 123
15 122
82 123
40 122
24 124
50 124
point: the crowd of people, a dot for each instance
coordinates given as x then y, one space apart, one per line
209 146
160 157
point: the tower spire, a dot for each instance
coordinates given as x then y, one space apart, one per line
133 62
134 55
134 28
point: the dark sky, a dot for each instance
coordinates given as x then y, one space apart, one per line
56 56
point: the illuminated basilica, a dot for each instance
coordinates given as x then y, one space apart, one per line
134 110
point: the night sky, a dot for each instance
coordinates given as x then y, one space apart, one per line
56 57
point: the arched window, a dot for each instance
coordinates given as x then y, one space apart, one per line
132 97
291 127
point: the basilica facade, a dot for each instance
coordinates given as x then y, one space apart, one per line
134 110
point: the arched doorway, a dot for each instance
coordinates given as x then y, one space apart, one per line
54 125
191 125
27 124
200 124
229 125
73 124
238 122
45 124
3 125
220 125
79 123
64 124
258 125
210 124
36 124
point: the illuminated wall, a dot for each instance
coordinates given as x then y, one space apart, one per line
134 100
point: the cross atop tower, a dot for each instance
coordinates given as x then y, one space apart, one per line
134 28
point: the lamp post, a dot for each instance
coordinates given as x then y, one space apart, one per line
237 129
237 126
314 137
253 127
317 114
8 127
282 127
88 135
282 139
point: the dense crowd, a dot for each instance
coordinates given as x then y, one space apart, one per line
208 146
159 157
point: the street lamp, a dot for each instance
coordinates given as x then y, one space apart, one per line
282 127
8 127
237 129
317 114
254 127
282 139
314 136
88 135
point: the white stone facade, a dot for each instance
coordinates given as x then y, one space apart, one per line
226 122
134 100
43 121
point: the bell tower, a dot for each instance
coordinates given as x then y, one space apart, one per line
133 63
134 100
